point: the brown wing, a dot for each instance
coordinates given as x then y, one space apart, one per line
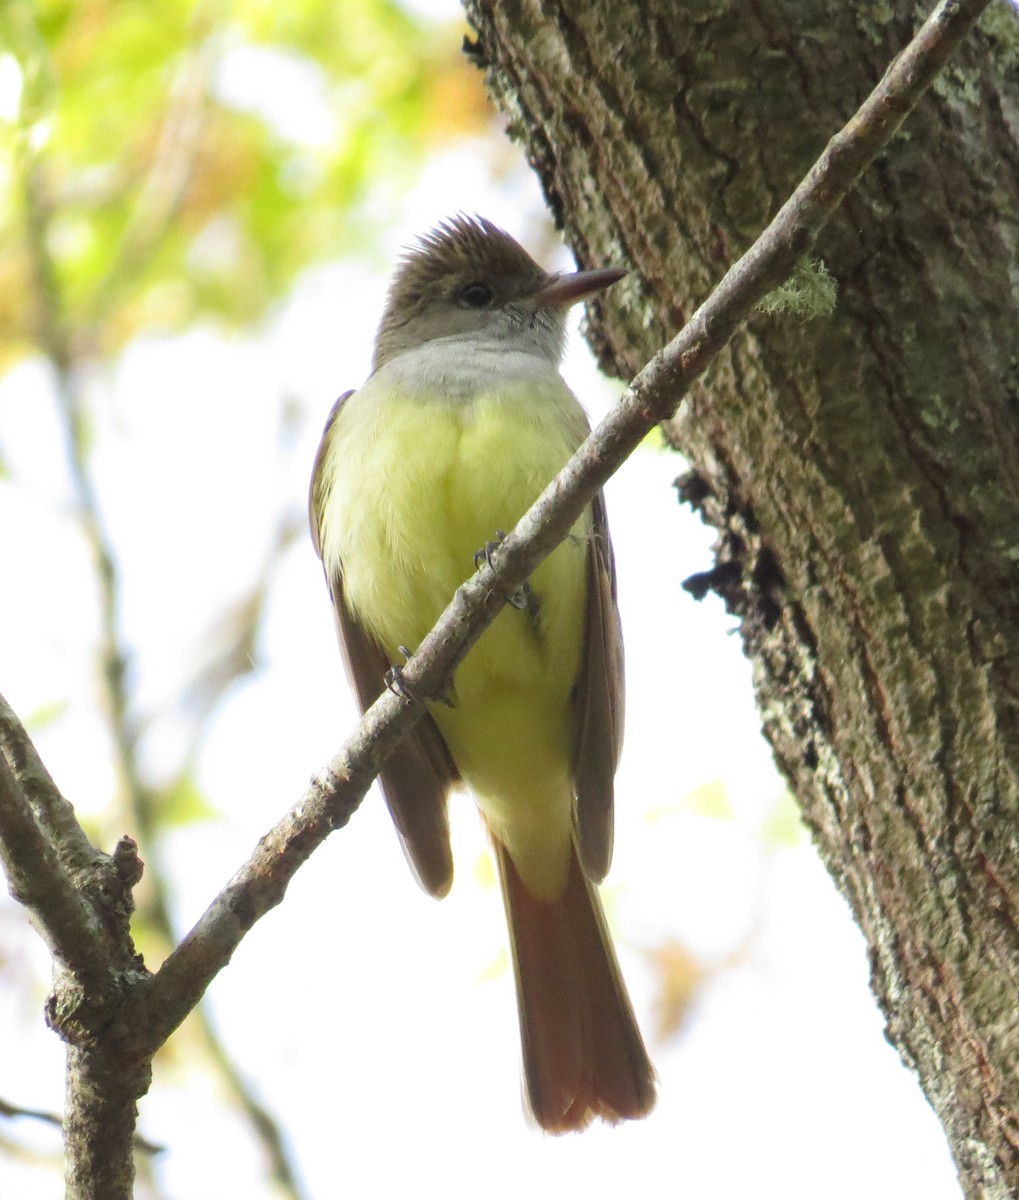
420 771
598 703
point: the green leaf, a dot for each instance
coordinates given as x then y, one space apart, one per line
179 162
45 715
183 803
710 800
783 827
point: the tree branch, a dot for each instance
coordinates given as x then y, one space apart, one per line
14 1111
38 880
157 203
53 813
109 1058
101 1113
653 396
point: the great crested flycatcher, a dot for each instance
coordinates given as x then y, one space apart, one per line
461 424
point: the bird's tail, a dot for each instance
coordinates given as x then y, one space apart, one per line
583 1053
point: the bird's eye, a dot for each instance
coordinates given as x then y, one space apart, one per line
475 295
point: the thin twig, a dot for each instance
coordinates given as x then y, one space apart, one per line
14 1111
653 396
262 1121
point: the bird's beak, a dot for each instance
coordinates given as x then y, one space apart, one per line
564 290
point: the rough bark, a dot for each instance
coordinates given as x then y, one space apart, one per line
862 469
99 1122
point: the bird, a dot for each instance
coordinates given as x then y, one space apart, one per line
462 422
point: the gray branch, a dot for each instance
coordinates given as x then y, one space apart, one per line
119 1017
653 396
38 880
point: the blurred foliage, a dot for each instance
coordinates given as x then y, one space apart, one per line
783 828
45 715
709 799
161 163
183 802
167 163
679 975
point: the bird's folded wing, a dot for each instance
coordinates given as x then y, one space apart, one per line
418 775
598 703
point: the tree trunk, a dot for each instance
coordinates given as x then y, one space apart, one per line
862 469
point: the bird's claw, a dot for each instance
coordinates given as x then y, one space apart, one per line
521 597
393 678
484 555
394 681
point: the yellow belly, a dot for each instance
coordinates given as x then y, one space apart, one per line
417 488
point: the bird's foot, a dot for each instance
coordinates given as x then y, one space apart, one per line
395 682
484 555
520 598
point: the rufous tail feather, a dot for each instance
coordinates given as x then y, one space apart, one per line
583 1053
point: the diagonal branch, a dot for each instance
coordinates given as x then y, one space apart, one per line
653 396
156 206
54 814
37 879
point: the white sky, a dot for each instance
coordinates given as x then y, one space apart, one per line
384 1034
